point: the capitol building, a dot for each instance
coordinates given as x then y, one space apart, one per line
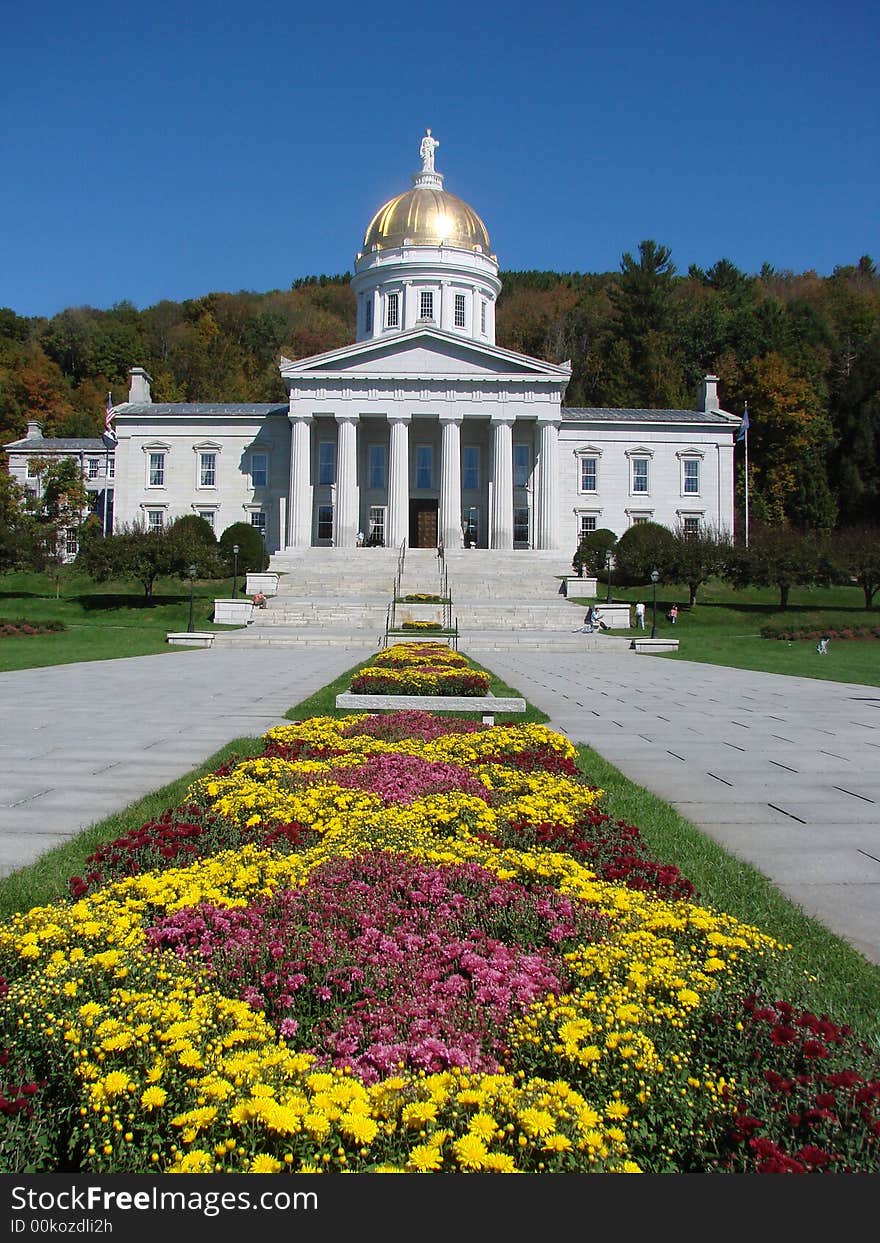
424 430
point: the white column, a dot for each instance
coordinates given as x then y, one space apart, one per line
299 510
502 477
398 481
547 522
346 526
450 481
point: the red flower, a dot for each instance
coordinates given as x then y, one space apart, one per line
782 1035
812 1048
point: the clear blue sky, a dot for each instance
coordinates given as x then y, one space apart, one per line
165 150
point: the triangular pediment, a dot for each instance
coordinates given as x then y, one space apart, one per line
426 353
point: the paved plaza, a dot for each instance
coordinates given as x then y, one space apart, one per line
783 772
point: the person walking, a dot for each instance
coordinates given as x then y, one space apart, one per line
640 615
673 614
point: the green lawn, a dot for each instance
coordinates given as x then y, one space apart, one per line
103 621
724 629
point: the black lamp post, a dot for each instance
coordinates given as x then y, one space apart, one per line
655 578
192 584
234 569
608 556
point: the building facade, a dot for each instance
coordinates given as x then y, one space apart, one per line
423 430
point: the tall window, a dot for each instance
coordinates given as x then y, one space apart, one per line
459 310
32 470
157 470
208 515
377 466
155 519
207 470
259 470
424 466
376 529
426 304
483 318
691 527
111 466
325 522
71 542
520 524
640 474
368 314
94 467
522 465
470 469
392 311
326 462
691 476
588 474
258 521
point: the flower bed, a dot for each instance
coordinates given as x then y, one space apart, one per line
18 628
426 669
421 625
421 597
813 633
403 943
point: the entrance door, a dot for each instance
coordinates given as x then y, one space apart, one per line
423 524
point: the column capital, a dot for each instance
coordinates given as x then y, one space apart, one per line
400 418
503 419
347 418
296 417
553 420
451 418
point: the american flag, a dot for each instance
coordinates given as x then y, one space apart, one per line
109 437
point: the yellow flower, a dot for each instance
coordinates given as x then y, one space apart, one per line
424 1158
471 1152
114 1083
263 1163
153 1097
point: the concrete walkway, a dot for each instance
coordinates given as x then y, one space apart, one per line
783 772
78 742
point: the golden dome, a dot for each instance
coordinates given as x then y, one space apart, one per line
426 216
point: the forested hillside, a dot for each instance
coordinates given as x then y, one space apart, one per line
802 349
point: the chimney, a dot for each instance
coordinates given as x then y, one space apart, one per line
139 390
34 430
709 394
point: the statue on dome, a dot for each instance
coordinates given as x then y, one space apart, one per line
426 151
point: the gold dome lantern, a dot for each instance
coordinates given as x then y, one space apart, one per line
426 216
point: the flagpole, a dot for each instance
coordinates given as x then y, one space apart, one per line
746 438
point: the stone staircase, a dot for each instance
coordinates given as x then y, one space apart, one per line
340 597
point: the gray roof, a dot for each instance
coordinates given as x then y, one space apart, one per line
609 414
55 444
202 407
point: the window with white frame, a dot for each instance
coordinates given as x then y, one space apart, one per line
636 520
589 473
259 470
156 470
522 464
376 527
325 522
424 466
426 304
93 467
587 524
460 318
258 521
483 317
155 519
368 314
376 466
111 466
690 476
71 542
470 468
639 477
392 310
690 525
326 462
208 515
207 470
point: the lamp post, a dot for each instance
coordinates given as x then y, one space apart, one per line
608 556
655 578
234 569
192 584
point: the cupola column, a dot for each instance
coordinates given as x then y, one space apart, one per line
502 482
450 481
299 509
547 533
398 480
347 500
